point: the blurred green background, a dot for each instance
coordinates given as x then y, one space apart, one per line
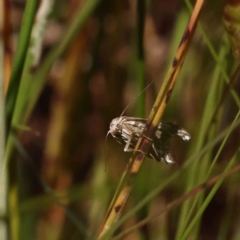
73 67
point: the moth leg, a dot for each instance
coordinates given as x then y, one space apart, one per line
144 136
140 152
155 151
127 146
153 157
128 149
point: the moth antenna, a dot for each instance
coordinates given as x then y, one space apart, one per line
104 151
136 97
119 119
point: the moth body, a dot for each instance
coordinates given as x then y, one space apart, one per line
127 130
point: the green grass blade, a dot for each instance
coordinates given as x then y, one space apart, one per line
205 121
215 188
19 58
173 177
81 16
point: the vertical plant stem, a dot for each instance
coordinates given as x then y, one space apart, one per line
5 12
30 60
32 82
19 59
80 18
32 57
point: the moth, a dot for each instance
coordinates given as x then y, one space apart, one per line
127 131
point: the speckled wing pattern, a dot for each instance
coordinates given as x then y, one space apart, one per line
127 130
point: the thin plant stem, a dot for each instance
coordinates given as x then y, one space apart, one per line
195 157
180 200
160 104
213 191
19 58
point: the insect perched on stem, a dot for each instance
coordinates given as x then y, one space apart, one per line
127 130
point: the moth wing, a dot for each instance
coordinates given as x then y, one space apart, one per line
166 131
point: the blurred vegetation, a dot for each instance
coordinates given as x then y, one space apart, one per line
67 69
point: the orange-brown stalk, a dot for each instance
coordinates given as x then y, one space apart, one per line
144 142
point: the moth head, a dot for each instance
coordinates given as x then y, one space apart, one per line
114 125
